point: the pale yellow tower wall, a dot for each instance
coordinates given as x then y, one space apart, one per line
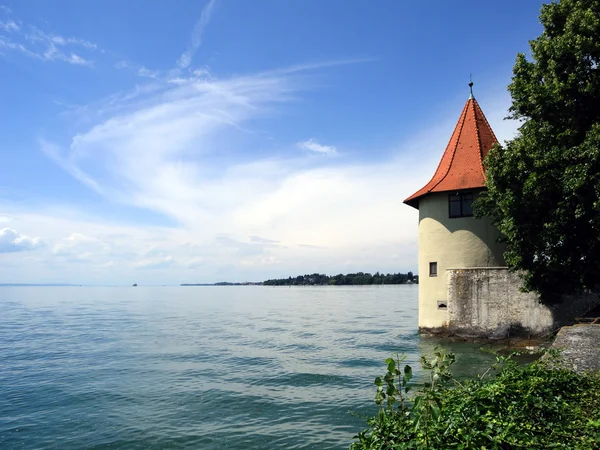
452 243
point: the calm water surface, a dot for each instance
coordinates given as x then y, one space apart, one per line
200 367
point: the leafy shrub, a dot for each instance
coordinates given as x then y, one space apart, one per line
537 406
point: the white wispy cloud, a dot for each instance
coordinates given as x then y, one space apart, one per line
13 241
10 45
149 73
184 150
202 73
263 240
53 54
186 58
76 59
35 43
52 151
170 176
64 41
139 69
154 151
313 146
155 263
9 26
80 247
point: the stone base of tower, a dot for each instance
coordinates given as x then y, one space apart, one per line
487 303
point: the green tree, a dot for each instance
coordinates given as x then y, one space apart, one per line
544 185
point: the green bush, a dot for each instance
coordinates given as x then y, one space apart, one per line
536 406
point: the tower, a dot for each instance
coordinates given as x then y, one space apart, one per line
449 236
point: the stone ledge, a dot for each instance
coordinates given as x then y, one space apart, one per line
504 332
580 345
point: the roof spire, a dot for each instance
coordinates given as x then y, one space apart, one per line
471 86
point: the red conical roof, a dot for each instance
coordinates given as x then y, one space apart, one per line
461 166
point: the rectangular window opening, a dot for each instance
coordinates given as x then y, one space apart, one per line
460 204
433 269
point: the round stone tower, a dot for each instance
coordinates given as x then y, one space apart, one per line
449 236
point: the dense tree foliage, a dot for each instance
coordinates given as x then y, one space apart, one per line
359 278
544 185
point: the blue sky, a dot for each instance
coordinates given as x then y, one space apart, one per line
200 141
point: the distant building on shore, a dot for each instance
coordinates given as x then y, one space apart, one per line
465 287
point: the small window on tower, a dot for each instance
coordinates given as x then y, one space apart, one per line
455 206
460 204
467 204
433 269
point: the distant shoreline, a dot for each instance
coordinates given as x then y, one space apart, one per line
351 279
224 283
319 279
296 285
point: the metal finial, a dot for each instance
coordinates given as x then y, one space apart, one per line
471 86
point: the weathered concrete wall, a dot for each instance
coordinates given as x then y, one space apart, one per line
487 302
451 242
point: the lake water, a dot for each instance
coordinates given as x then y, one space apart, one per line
200 367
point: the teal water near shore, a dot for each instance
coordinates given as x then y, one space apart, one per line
247 367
